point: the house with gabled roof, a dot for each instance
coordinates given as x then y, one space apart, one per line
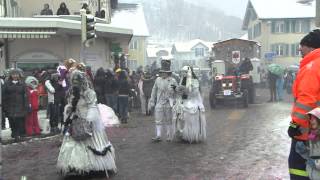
131 16
279 26
195 53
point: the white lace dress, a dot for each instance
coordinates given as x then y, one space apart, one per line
189 122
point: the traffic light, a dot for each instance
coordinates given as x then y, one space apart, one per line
88 30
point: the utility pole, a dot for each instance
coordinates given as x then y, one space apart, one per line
317 20
99 8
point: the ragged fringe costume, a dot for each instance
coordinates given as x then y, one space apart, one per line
85 146
189 122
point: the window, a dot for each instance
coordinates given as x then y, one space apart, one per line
199 52
298 27
250 34
134 44
280 49
257 30
295 50
278 27
132 64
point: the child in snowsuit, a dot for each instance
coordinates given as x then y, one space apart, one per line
32 124
310 150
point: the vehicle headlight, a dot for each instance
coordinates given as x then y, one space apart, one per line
230 84
224 84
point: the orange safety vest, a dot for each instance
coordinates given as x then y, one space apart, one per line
306 91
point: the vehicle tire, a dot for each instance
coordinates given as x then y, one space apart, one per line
212 100
245 98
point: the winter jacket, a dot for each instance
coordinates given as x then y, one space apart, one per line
33 98
124 87
306 91
59 94
111 86
50 90
15 99
147 86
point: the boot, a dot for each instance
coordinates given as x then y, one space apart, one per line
158 134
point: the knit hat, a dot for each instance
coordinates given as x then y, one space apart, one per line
312 39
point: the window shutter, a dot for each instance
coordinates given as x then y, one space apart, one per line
286 49
306 26
287 26
273 26
273 48
293 50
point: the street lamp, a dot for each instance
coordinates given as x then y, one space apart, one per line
308 2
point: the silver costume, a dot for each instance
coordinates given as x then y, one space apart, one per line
162 99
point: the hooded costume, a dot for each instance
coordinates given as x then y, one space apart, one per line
85 146
189 122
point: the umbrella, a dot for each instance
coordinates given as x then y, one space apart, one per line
293 68
275 69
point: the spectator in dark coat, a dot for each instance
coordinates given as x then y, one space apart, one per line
57 104
16 103
46 10
272 78
148 82
63 10
111 91
123 96
99 83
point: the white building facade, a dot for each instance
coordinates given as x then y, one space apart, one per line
195 53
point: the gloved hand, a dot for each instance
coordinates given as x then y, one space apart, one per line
293 130
173 86
311 162
301 148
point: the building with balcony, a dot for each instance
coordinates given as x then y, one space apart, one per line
278 26
35 41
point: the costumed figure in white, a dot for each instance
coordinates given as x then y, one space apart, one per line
189 122
162 97
85 146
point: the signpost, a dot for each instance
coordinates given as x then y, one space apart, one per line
236 57
269 55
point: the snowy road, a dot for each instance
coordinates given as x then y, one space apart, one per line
244 144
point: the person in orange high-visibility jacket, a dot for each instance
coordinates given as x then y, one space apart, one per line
306 92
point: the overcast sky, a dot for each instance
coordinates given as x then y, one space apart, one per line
230 7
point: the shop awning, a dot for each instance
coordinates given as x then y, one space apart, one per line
27 33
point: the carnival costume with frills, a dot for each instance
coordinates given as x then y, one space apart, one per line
85 146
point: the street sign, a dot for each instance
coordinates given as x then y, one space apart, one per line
236 57
269 55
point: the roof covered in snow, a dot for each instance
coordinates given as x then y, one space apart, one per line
130 16
187 46
272 9
153 50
